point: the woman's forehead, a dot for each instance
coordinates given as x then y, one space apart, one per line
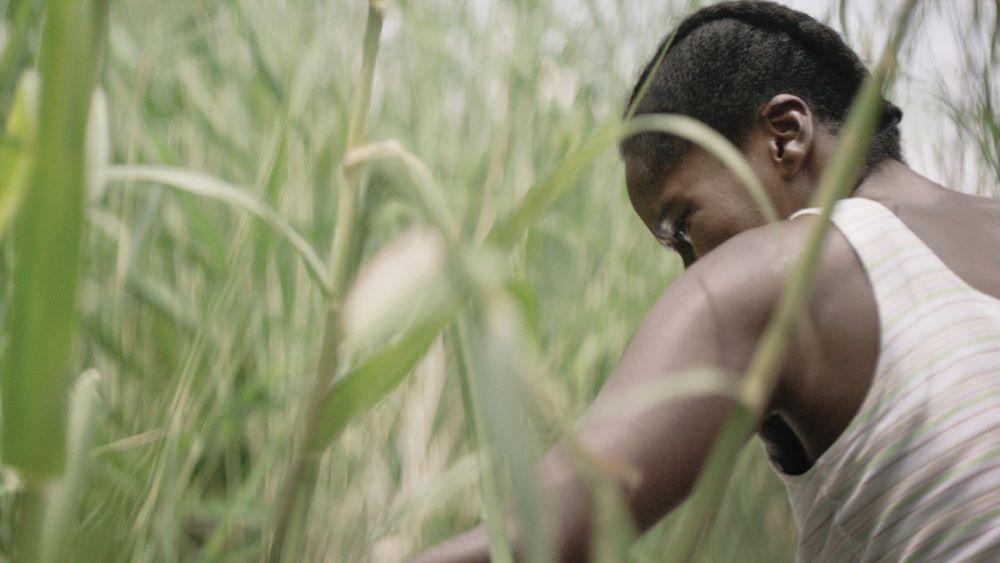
647 188
644 188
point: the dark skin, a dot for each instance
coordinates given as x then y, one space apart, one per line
714 314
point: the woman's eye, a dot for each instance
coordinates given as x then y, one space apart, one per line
679 229
680 234
674 233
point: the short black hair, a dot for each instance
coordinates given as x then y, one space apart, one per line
725 61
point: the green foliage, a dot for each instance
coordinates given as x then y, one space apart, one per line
47 178
48 252
205 312
372 380
17 147
213 189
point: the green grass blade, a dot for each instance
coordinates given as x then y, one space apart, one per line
48 257
712 142
509 229
711 486
500 365
208 187
297 488
476 425
437 492
428 194
543 194
368 383
43 317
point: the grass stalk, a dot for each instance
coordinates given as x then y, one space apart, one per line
42 324
496 516
427 194
30 520
296 489
837 182
507 231
501 368
83 417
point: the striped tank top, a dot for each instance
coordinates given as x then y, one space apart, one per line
916 474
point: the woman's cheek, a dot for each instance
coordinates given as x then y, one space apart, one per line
702 239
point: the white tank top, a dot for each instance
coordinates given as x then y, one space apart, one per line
916 474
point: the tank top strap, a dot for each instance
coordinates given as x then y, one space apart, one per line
806 211
902 269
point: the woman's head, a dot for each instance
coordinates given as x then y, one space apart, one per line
725 65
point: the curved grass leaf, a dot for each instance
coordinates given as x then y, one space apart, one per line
712 142
203 185
510 228
372 380
429 195
689 383
529 209
498 368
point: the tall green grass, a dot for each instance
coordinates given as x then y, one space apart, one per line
481 190
45 186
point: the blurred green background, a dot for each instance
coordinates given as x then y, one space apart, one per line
205 327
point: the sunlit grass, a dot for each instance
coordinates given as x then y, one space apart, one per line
206 285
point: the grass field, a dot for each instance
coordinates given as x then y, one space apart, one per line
202 311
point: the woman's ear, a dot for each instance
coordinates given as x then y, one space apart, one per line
788 124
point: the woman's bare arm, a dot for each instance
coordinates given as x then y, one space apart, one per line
712 315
